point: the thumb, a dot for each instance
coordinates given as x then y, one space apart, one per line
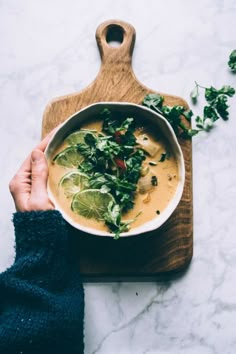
39 175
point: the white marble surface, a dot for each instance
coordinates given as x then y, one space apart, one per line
47 50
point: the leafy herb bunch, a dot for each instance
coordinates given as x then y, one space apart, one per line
216 106
113 162
173 114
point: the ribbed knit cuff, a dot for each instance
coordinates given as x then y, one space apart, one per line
39 229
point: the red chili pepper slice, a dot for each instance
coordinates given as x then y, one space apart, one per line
117 137
120 163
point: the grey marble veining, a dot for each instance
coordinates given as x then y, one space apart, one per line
47 50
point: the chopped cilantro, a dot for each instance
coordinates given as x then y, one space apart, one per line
164 156
154 181
114 164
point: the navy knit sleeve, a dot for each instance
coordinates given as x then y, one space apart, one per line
41 295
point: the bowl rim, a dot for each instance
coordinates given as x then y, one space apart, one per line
151 225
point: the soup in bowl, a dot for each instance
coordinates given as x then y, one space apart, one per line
115 169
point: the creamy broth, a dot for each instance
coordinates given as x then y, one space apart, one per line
150 203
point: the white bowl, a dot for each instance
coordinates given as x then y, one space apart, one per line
133 110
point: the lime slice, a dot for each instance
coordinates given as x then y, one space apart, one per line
73 182
91 203
69 157
77 137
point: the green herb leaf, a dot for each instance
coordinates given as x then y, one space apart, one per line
189 133
113 219
153 101
109 123
133 165
127 124
222 106
188 115
232 61
105 189
86 166
210 112
90 139
227 90
173 115
212 93
112 216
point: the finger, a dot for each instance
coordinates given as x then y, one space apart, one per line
39 175
26 165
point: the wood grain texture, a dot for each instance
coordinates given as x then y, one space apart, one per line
161 252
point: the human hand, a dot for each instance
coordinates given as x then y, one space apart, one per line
29 185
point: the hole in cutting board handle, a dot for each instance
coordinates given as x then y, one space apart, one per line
118 31
115 35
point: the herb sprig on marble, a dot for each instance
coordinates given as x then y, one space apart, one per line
216 107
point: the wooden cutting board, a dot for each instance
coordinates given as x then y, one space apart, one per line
157 254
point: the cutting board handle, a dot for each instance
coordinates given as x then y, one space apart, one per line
118 31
